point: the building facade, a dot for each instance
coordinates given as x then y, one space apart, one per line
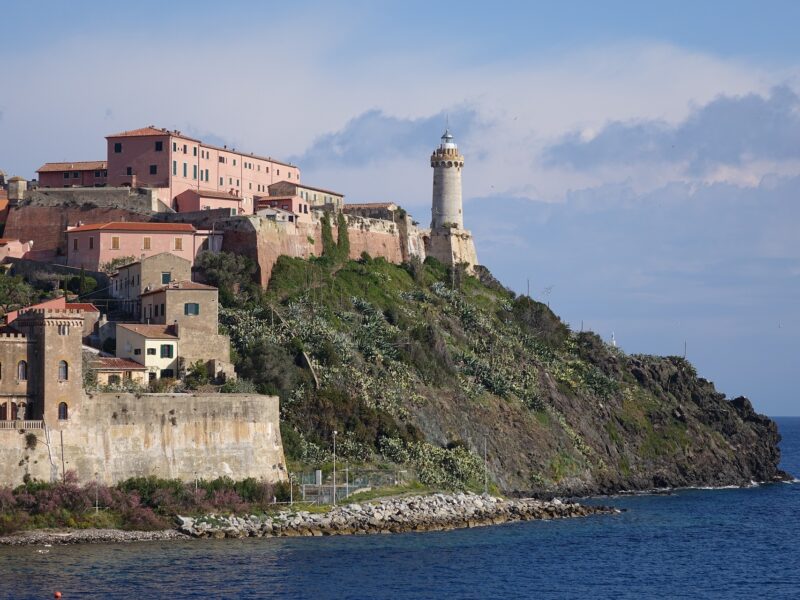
91 246
312 195
132 280
93 173
168 159
300 208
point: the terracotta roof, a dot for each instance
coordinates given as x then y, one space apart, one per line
149 130
307 187
84 306
86 165
4 241
112 363
158 332
219 195
135 226
180 285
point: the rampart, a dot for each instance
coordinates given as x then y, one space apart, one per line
117 436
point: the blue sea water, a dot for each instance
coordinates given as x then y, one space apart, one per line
730 543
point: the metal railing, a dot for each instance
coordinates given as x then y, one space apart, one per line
21 425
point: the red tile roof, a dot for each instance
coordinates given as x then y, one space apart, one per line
388 205
136 226
84 306
158 332
86 165
112 363
149 130
306 187
180 285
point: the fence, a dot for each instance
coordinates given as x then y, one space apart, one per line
315 488
21 425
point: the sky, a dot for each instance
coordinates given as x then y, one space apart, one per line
634 164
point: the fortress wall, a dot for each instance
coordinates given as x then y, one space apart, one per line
119 436
46 225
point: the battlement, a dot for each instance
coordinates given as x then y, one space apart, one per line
13 336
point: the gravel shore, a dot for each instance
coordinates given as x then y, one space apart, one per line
44 537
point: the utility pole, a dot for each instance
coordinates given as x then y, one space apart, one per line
485 469
334 467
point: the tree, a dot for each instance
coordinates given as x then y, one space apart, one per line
15 293
231 273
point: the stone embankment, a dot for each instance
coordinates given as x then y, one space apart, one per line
417 513
46 537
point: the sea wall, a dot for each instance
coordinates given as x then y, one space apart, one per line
183 436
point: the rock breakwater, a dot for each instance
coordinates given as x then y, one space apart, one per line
397 515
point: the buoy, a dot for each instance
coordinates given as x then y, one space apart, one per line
57 595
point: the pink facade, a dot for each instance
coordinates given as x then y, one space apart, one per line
294 204
194 200
161 158
76 174
14 248
91 246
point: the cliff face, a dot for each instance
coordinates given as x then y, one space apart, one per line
424 366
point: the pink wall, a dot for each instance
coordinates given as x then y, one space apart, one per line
238 174
85 178
301 208
131 243
14 248
191 200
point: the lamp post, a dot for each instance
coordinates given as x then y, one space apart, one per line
334 467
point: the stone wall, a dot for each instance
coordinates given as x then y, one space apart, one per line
118 436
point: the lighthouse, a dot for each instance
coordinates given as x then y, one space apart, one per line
447 163
448 241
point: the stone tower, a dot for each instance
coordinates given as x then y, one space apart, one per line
448 241
447 163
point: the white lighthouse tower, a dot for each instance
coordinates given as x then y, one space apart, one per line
448 241
446 210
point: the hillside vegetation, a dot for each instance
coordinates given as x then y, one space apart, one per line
421 366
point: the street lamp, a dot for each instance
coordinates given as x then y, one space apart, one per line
334 466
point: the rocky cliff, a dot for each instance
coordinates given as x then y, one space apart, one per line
423 366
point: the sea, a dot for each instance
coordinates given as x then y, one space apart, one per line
694 543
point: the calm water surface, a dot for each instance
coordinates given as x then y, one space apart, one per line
691 544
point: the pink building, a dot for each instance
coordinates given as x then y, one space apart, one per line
90 246
92 173
193 200
294 204
167 159
14 248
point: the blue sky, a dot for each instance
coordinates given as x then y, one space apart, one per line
637 162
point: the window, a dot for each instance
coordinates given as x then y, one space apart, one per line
63 329
237 183
74 243
289 175
117 147
221 181
163 312
234 162
115 243
166 277
178 244
63 411
194 171
166 350
185 166
105 173
151 352
91 243
155 310
159 146
222 159
230 180
194 151
97 174
137 351
66 175
153 169
129 170
113 380
174 167
22 370
167 374
185 149
63 371
146 243
191 309
277 171
174 146
206 174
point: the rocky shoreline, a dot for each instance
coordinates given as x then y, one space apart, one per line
436 512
